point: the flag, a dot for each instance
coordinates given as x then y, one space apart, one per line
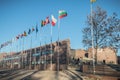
54 20
33 29
62 14
36 29
25 34
47 20
92 1
43 23
29 31
2 45
21 35
17 37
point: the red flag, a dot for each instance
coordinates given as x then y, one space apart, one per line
47 20
54 20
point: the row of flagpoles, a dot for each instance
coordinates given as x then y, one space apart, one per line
43 23
53 21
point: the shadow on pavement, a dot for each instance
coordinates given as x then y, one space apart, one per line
29 77
73 75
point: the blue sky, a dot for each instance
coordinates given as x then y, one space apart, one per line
17 16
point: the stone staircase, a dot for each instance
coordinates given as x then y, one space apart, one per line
102 70
116 67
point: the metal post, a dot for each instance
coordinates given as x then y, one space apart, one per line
92 42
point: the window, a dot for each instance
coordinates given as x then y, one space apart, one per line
86 55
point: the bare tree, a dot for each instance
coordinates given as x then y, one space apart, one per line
106 30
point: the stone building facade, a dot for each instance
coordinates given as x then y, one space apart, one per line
42 57
104 55
77 53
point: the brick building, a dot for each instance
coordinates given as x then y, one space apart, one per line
104 55
42 57
77 53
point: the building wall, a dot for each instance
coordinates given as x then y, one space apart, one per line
80 53
107 55
118 60
72 53
2 55
104 55
40 57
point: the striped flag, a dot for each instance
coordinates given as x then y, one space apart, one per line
47 20
29 31
36 28
54 20
33 29
62 14
43 23
25 34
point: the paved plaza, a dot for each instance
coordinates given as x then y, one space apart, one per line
39 75
70 74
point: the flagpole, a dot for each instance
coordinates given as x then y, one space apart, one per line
35 48
35 59
30 52
45 56
36 30
51 47
40 49
40 55
22 53
0 59
58 42
25 56
20 49
10 55
92 41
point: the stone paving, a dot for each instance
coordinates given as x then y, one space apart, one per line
70 74
53 75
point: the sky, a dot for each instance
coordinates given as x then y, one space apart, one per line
17 16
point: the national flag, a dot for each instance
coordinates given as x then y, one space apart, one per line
2 45
25 34
33 29
92 1
21 35
36 28
17 37
43 23
29 31
54 20
62 14
47 20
